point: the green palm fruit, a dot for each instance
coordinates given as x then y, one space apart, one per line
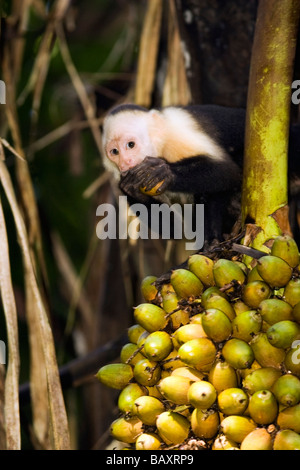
292 359
289 418
202 394
128 396
199 353
238 353
286 440
226 271
236 428
115 375
296 312
253 275
126 429
240 307
209 292
246 325
263 407
141 341
187 332
260 379
216 324
259 439
151 317
222 443
192 374
134 332
170 303
147 372
217 301
222 375
266 354
205 423
175 389
186 284
158 346
287 390
147 409
172 362
128 351
275 271
283 333
233 401
148 441
202 267
149 291
292 292
254 292
242 266
275 310
172 427
286 248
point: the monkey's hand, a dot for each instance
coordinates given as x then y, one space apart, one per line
152 177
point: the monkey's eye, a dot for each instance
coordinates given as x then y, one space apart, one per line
130 145
114 152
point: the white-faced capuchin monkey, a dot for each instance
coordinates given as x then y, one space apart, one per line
196 150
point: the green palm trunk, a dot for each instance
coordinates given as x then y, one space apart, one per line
265 185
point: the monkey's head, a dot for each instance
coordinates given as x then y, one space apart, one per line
126 138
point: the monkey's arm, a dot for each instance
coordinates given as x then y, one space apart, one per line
197 175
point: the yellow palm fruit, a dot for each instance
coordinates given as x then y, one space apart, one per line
226 271
147 372
186 284
128 396
246 325
236 428
238 353
216 325
202 267
286 248
205 423
259 439
172 427
151 317
287 440
115 375
275 271
263 378
175 389
148 441
147 409
275 310
287 390
222 375
254 292
149 291
158 345
202 394
199 353
263 407
126 429
232 401
266 354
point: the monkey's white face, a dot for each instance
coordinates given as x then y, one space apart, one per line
126 140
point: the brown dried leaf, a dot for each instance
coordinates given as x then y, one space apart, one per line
58 426
149 44
12 414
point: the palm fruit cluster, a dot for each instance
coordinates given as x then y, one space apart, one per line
213 359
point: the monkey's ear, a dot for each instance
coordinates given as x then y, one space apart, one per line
155 116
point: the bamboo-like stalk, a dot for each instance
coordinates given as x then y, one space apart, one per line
265 186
